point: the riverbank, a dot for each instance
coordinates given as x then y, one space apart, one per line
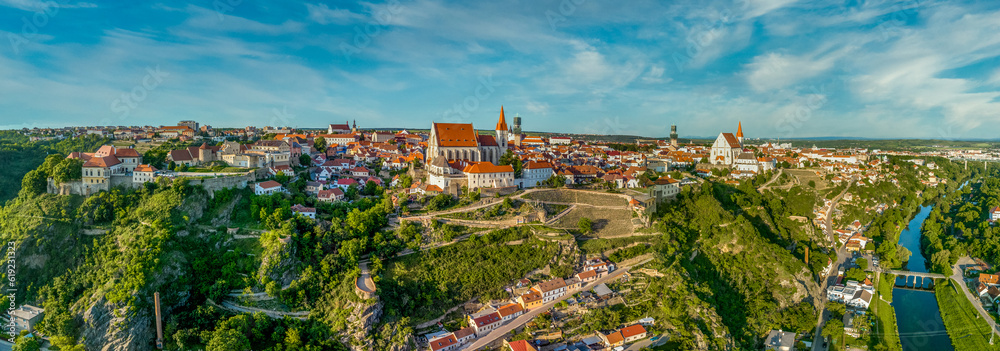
967 330
918 320
885 332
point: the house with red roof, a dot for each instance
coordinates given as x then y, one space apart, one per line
519 345
304 211
360 172
143 173
267 188
444 343
330 195
344 183
488 175
484 324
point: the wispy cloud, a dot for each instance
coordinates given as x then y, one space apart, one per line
867 68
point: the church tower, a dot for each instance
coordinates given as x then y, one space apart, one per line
739 133
502 132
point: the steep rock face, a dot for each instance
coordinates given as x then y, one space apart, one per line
279 264
109 327
364 316
105 330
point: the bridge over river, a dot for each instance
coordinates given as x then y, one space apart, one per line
916 280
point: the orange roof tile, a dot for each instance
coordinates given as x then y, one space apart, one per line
510 310
455 134
633 330
145 168
486 167
502 124
102 162
521 345
615 338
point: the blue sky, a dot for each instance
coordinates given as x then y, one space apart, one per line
866 68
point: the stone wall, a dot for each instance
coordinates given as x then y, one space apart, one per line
219 183
211 184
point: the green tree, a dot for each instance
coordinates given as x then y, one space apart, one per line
862 263
834 330
305 160
812 184
228 340
33 184
319 143
510 159
67 170
585 225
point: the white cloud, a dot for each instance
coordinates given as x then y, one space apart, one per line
538 108
44 5
204 19
323 14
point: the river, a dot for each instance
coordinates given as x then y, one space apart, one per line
917 315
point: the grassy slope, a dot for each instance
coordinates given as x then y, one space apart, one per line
966 329
886 332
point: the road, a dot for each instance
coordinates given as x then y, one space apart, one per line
365 282
773 179
505 329
831 278
959 278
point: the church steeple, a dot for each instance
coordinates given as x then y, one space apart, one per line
502 124
502 131
739 132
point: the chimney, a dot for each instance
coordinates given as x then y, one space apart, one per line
159 322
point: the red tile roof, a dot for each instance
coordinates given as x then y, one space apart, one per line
180 155
455 134
537 165
269 184
486 167
464 332
487 140
521 345
102 162
127 152
502 123
731 140
329 193
487 319
510 310
633 330
442 343
145 168
615 338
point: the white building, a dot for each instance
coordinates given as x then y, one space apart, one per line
551 289
267 188
666 188
727 148
534 173
488 175
304 211
143 173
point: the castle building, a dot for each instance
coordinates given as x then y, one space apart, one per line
727 147
458 156
459 141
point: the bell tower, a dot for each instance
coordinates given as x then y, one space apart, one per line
502 132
